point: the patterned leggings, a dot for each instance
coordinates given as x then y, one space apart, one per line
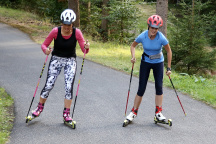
55 66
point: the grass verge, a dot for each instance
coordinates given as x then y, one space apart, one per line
6 115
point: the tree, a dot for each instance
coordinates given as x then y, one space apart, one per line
188 40
122 20
74 5
162 10
104 24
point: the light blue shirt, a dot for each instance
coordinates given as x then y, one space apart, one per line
152 47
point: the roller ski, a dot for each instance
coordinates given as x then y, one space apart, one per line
36 113
159 118
67 119
29 118
168 122
130 117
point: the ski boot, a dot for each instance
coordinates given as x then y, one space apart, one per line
130 117
159 118
67 119
35 113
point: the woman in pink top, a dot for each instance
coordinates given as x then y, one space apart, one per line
63 56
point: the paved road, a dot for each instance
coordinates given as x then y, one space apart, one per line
100 105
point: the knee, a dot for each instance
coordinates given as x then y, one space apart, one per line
44 95
159 91
159 88
68 96
140 93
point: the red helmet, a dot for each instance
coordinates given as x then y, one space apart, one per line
155 21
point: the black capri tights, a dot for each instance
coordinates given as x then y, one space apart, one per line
158 72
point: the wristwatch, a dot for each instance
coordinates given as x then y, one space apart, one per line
168 69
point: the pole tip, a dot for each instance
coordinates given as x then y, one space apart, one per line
185 114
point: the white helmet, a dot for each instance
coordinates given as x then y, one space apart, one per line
68 16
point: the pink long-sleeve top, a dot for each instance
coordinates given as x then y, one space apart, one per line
54 33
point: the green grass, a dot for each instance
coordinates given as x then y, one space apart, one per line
17 14
197 87
6 115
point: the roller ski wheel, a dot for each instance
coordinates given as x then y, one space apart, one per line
168 122
71 124
29 118
126 122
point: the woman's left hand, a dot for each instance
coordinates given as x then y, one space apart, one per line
168 73
48 50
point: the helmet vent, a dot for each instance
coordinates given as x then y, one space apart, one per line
68 16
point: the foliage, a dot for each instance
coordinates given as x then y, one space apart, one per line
209 10
122 19
47 9
50 9
10 3
91 21
210 29
188 40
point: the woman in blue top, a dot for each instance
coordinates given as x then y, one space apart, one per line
152 58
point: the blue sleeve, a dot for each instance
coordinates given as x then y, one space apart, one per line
164 40
139 38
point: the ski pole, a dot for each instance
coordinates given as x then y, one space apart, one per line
38 83
129 88
79 82
177 96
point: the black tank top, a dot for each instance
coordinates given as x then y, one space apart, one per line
65 47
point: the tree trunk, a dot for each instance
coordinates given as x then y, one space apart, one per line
89 10
192 25
104 24
162 10
192 13
74 5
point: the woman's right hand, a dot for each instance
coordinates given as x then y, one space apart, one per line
133 60
48 51
132 48
86 45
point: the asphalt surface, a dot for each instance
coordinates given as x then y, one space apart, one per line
100 104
